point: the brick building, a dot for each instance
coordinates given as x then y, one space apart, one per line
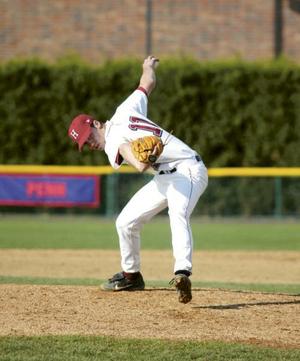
101 29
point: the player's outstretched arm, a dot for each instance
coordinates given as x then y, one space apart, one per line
148 78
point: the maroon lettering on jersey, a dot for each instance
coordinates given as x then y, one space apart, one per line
142 124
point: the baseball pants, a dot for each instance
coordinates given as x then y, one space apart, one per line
179 191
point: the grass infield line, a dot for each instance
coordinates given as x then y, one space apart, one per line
292 289
88 348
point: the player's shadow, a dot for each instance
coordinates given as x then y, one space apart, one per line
238 306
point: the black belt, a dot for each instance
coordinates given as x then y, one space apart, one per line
168 171
173 170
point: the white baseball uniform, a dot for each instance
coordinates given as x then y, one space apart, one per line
180 179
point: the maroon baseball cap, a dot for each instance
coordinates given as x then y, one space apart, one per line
80 129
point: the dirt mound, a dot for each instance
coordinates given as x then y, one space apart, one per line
250 317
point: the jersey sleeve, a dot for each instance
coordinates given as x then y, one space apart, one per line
114 156
112 144
137 102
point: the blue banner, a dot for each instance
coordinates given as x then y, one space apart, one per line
49 190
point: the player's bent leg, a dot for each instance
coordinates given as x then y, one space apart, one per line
147 202
129 242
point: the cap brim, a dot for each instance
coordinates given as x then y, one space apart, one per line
84 138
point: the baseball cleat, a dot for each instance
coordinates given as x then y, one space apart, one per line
183 286
120 283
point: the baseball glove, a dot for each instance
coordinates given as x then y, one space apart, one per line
147 149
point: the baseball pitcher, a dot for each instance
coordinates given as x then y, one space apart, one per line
130 137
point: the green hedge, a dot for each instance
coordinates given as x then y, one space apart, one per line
233 114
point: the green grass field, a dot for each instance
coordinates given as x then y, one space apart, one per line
75 348
90 232
98 233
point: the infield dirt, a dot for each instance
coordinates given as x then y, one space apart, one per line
221 266
213 314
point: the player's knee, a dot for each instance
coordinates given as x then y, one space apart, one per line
125 223
120 222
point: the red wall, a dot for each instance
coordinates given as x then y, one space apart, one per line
101 29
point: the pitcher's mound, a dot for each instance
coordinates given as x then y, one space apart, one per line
250 317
